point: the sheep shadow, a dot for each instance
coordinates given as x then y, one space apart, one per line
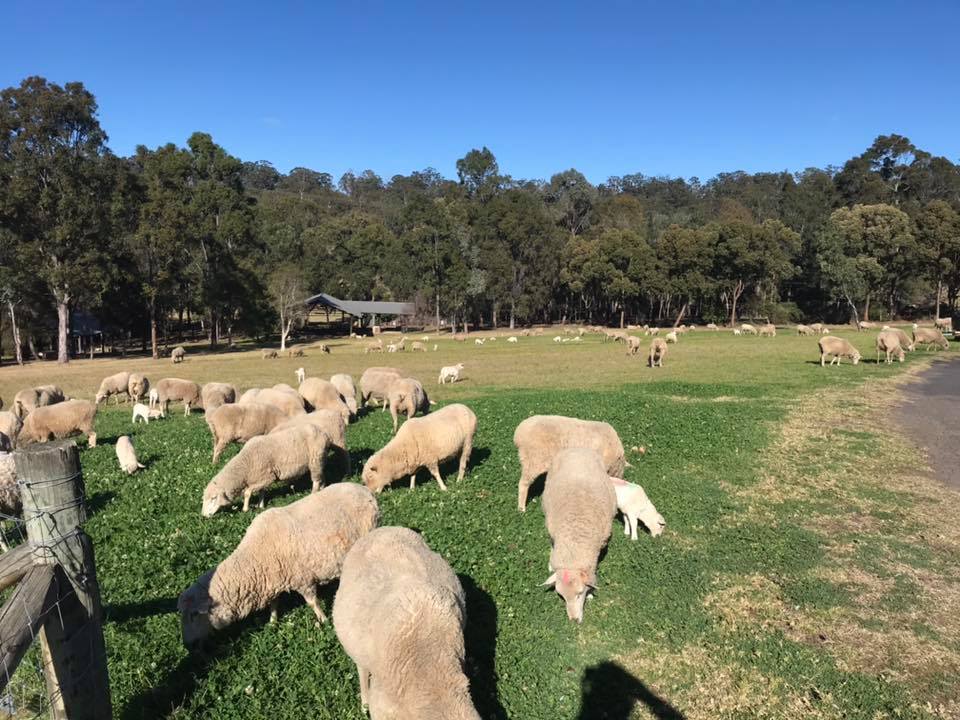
122 612
609 692
99 500
480 636
450 468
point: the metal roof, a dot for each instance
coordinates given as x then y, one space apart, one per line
361 307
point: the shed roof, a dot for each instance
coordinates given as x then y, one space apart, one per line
361 307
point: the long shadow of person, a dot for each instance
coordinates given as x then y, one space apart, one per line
480 636
609 692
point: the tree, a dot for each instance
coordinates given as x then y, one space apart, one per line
686 257
938 237
571 196
288 289
478 173
56 189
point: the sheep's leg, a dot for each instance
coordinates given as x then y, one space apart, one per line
522 488
92 440
413 480
393 414
274 609
626 524
310 595
186 409
263 500
316 474
435 471
364 687
246 499
633 527
465 457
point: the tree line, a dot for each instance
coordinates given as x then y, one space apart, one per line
190 231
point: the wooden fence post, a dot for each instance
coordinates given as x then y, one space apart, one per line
75 662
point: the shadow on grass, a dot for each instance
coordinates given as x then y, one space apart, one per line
609 692
480 636
99 500
121 612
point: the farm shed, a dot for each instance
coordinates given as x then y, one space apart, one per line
359 308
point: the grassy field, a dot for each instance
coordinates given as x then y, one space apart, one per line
807 569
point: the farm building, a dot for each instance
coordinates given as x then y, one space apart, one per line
359 310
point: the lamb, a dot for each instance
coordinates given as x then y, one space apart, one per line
633 502
144 413
331 423
178 390
579 504
375 384
241 422
400 615
424 442
889 343
737 331
25 401
154 397
557 339
540 437
10 426
671 337
177 354
320 394
290 403
658 351
768 330
928 337
805 330
512 339
138 386
633 345
348 389
117 384
407 396
418 346
478 341
391 348
127 456
838 347
269 354
301 374
60 421
712 326
286 549
450 373
748 329
373 347
215 394
264 460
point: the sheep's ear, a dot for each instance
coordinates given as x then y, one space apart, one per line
552 580
588 579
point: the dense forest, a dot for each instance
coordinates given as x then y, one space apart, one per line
175 232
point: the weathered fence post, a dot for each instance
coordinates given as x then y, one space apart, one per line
75 662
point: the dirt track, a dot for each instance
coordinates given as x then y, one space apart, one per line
930 416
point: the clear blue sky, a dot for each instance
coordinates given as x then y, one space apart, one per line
678 88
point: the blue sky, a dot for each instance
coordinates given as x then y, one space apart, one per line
665 88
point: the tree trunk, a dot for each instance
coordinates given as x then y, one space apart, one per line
939 292
495 308
213 329
737 292
437 307
15 331
513 313
683 311
63 329
866 309
154 350
622 311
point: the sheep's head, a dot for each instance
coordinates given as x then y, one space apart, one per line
199 613
855 356
572 586
100 397
214 498
373 476
459 366
653 520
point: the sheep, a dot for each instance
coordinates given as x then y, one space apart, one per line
29 399
375 384
525 332
117 384
658 351
838 347
633 502
748 329
768 330
538 332
177 355
391 348
557 339
400 614
492 338
331 423
425 338
418 346
10 501
407 396
712 326
540 437
512 339
376 346
944 324
264 460
287 549
301 375
671 337
269 354
865 325
478 341
144 413
295 352
127 456
423 442
928 337
460 337
241 422
805 330
215 394
817 328
290 403
60 421
178 390
283 387
320 394
138 386
633 345
654 331
10 426
450 373
905 342
579 504
889 343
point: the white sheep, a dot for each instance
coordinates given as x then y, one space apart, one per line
633 345
178 390
658 351
241 422
671 337
288 549
10 501
748 329
29 399
331 423
118 384
138 386
301 374
888 342
399 613
264 460
215 394
905 342
10 426
59 421
424 442
392 348
838 348
348 389
418 346
557 339
288 401
478 341
450 373
512 339
540 437
805 330
177 354
634 504
375 384
318 394
127 456
928 337
407 396
579 504
145 414
768 330
376 346
737 331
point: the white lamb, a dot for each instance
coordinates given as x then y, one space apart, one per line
450 373
512 339
478 341
633 502
145 414
127 456
301 374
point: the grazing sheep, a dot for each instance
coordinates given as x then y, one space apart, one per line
288 401
525 332
407 396
478 341
557 339
59 421
671 337
301 374
177 354
127 456
817 327
540 437
450 373
658 351
944 324
768 330
348 389
144 413
838 347
29 399
178 390
399 614
928 337
418 346
905 341
10 502
10 426
322 394
296 352
579 504
391 348
712 326
287 549
865 325
138 386
748 329
737 331
118 384
425 338
269 354
215 394
633 345
376 346
332 424
633 502
460 337
805 330
424 442
889 343
512 339
264 460
375 384
241 422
